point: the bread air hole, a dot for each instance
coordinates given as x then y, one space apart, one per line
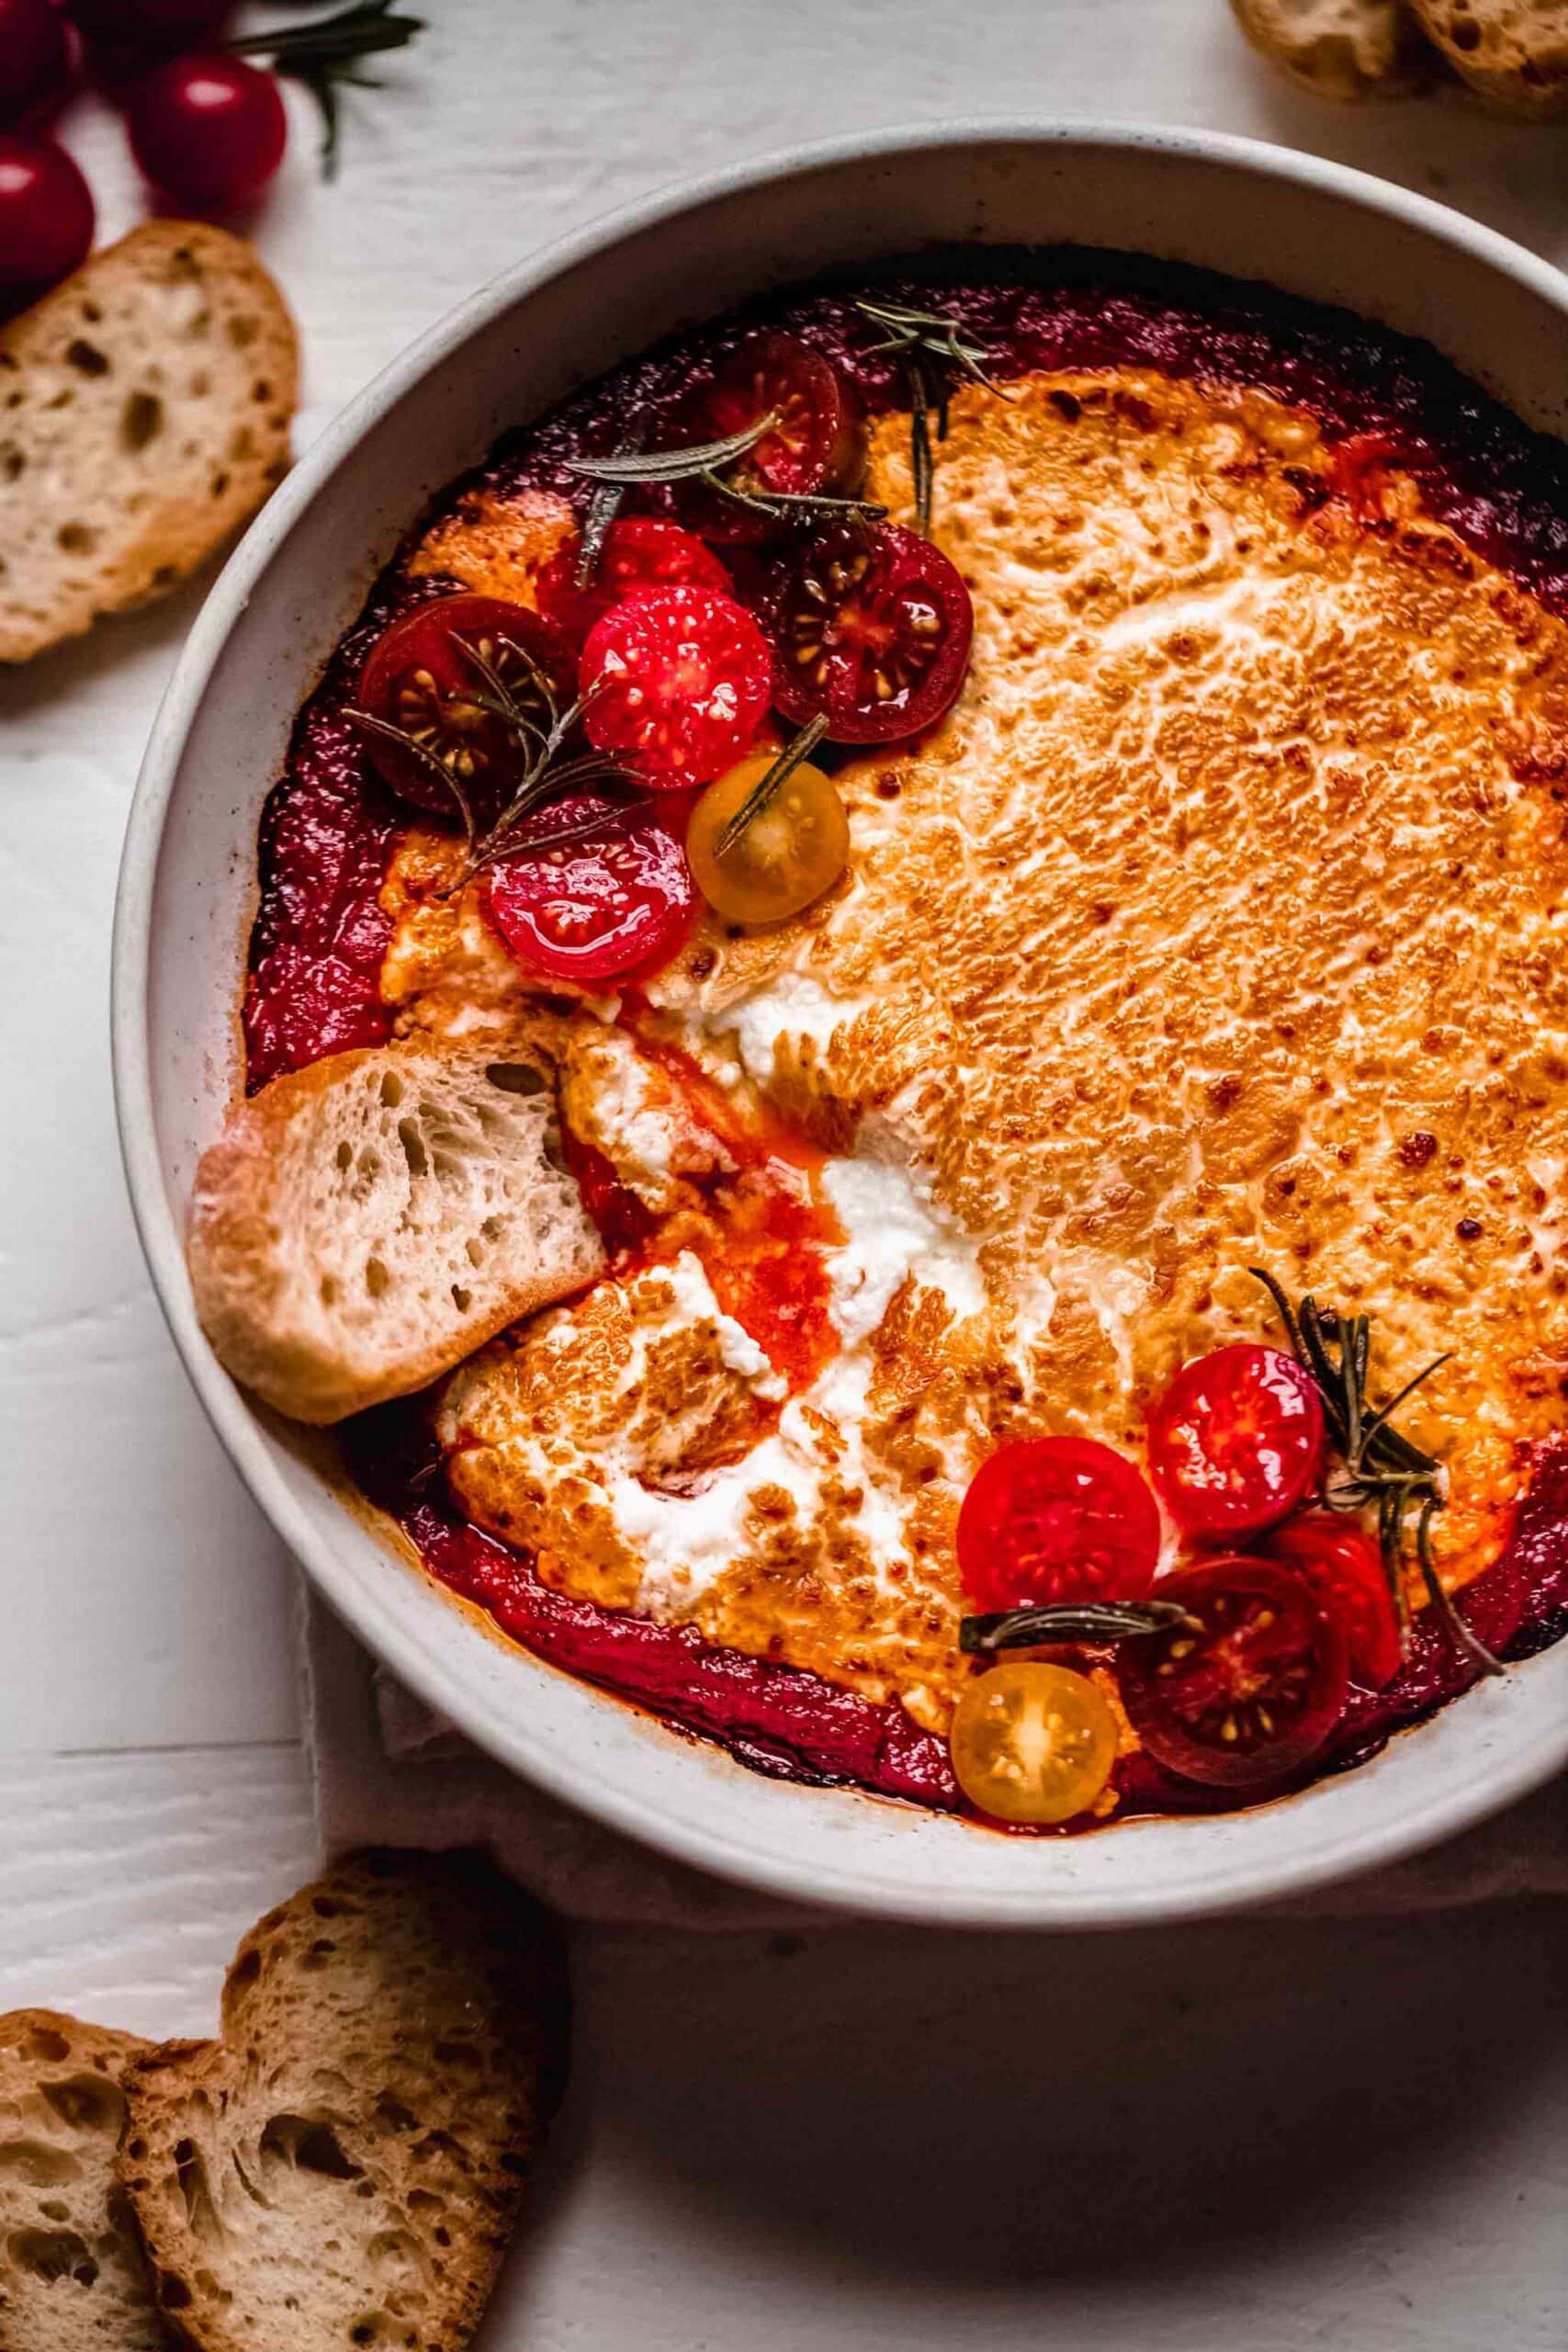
461 1299
87 2103
42 2042
377 1279
195 2193
35 2161
306 2144
515 1078
412 1143
52 2254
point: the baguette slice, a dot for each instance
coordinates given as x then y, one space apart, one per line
144 414
343 2167
1513 53
363 1225
73 2278
1341 49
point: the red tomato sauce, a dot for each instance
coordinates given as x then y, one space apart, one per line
319 934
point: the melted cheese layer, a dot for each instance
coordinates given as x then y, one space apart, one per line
1221 924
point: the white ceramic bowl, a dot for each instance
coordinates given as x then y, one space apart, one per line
186 892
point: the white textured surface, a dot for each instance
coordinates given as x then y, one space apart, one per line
1283 2136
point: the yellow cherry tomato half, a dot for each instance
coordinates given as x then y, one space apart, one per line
792 851
1032 1742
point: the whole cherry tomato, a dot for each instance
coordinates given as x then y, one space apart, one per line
1249 1688
870 624
1056 1519
1236 1443
208 131
1345 1567
677 681
616 899
46 218
35 59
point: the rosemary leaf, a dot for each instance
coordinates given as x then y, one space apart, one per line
673 464
1071 1621
1442 1599
763 791
424 757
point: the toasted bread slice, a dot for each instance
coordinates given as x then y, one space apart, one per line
343 2167
72 2274
144 414
363 1225
1341 49
1513 53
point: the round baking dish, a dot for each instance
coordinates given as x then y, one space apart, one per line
186 889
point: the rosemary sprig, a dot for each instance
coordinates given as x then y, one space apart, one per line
628 469
1068 1621
602 509
766 787
1384 1470
424 756
544 774
322 56
703 461
917 338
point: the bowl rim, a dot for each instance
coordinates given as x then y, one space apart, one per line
815 1881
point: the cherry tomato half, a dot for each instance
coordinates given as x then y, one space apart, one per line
1251 1688
639 551
1237 1441
818 444
1050 1518
210 130
1345 1568
46 220
36 60
617 900
420 680
678 682
790 852
870 624
1032 1742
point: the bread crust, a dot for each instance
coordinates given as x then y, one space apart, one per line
345 2164
71 2273
1338 49
176 326
1512 53
266 1315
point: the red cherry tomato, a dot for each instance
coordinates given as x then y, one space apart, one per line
618 901
36 60
1237 1441
210 131
679 680
1251 1688
1050 1519
421 679
1345 1568
46 220
817 446
871 625
639 551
